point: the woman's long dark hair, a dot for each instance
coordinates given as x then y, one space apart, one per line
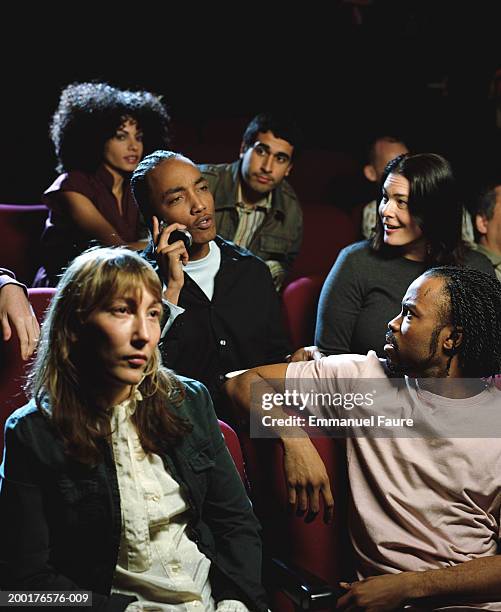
61 381
433 203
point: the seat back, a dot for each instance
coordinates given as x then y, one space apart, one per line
316 173
21 226
356 215
13 369
316 547
227 130
319 548
184 133
299 309
326 230
211 153
233 444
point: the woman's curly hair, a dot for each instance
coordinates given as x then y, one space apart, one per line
90 113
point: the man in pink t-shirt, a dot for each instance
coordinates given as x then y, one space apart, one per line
424 507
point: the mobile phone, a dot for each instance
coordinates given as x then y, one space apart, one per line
183 235
176 235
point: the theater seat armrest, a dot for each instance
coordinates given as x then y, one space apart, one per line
306 590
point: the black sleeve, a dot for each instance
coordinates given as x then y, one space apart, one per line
24 533
9 278
278 345
339 307
475 259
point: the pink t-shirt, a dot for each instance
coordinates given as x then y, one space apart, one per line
416 503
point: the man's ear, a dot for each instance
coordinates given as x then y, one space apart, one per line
453 340
481 224
289 168
370 173
243 149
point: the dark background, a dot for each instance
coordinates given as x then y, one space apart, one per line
420 68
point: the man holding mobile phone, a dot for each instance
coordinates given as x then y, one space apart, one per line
224 311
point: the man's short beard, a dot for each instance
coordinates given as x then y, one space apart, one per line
401 369
396 370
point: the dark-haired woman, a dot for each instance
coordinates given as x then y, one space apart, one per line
116 478
419 226
100 134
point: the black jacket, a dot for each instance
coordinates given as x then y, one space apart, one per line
241 327
60 521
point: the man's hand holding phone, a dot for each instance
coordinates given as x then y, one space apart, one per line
170 258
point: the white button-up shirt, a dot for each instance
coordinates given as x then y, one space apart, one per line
157 561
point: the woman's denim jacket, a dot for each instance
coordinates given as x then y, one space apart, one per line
60 520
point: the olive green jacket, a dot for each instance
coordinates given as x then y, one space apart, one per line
279 237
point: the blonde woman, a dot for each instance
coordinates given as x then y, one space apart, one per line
116 478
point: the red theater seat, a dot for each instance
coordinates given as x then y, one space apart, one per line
301 560
233 444
319 552
13 368
299 307
356 216
316 172
326 230
21 226
184 133
211 153
227 130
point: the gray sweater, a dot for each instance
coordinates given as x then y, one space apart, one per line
362 293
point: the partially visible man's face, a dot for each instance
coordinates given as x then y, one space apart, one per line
490 229
266 163
180 194
416 336
385 151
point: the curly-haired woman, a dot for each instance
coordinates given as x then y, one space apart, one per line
100 133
